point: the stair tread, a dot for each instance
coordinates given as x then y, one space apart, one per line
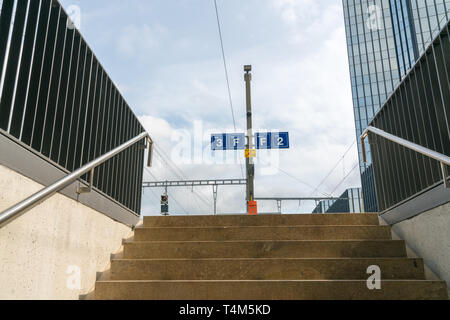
261 220
268 227
269 259
253 241
272 281
270 289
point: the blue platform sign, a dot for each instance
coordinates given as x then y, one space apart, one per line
236 141
272 140
228 141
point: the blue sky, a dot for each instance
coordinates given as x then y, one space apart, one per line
165 57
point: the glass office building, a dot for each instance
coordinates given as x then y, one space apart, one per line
384 39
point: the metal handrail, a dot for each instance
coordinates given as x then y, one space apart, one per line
443 159
39 197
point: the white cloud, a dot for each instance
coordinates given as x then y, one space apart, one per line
296 12
138 41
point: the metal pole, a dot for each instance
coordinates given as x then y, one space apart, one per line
215 189
250 145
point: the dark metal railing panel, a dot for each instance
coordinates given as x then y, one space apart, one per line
9 81
427 119
130 178
88 116
116 161
5 25
104 133
415 135
410 157
417 111
55 83
86 128
36 71
89 151
406 154
135 155
378 176
57 99
24 72
99 114
139 181
124 156
69 100
114 139
82 111
75 107
39 116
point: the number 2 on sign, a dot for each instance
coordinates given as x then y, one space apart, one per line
280 141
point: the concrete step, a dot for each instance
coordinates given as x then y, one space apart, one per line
263 233
265 269
270 290
262 220
264 249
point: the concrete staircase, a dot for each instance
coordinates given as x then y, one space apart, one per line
286 257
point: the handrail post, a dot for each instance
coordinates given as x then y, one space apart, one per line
81 190
363 206
445 175
363 145
150 152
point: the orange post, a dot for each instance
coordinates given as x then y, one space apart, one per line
252 208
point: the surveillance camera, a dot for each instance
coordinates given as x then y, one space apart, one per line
247 68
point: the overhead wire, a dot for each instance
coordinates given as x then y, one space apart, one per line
334 168
346 177
172 196
294 177
226 74
179 174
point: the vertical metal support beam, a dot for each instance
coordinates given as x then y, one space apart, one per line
445 175
150 152
250 145
279 202
215 189
363 205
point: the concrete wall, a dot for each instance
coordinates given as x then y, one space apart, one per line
54 250
428 236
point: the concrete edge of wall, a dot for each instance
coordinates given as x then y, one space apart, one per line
21 159
430 274
433 198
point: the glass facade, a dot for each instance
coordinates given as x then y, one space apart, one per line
384 39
